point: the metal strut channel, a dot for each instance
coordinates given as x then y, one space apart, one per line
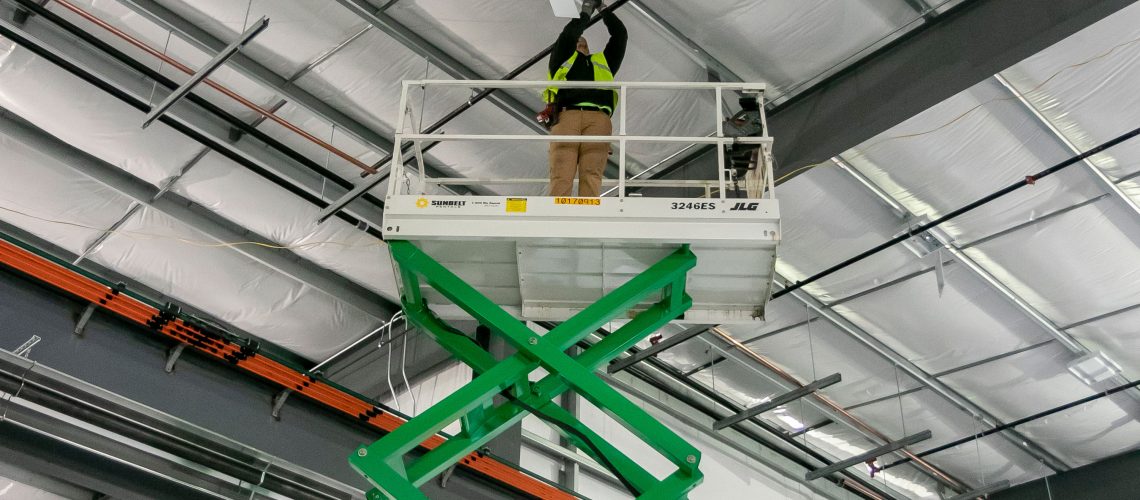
383 461
205 71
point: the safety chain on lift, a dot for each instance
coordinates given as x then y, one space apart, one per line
8 400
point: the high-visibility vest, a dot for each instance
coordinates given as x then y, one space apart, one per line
602 73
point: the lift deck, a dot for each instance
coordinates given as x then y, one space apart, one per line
544 258
583 262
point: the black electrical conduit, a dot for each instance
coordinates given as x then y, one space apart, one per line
202 138
1016 423
1028 181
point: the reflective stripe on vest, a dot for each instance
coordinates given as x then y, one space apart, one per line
602 73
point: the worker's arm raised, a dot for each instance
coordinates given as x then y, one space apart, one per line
567 42
615 48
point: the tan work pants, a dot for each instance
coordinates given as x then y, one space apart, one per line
586 160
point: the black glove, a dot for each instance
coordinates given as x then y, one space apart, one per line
589 6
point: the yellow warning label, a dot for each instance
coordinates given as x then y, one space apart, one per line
516 205
578 201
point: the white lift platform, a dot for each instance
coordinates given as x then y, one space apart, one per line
547 258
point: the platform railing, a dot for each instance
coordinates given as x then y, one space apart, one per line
409 133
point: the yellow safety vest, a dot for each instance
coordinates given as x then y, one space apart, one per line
602 73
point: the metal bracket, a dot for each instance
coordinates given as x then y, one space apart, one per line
205 71
81 325
8 400
172 356
940 273
777 401
279 403
668 343
26 348
870 455
446 476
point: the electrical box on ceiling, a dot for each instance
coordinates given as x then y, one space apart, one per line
566 8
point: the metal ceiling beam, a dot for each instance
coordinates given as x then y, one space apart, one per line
778 401
731 349
960 256
967 44
870 455
1064 338
196 217
444 61
938 387
206 70
1019 422
623 363
126 360
937 60
122 82
668 388
457 70
667 381
701 423
1099 175
716 68
200 38
287 87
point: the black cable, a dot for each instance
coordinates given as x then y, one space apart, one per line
1016 423
1029 180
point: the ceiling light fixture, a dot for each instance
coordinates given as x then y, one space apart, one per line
1094 368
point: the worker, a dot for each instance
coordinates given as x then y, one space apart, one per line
582 111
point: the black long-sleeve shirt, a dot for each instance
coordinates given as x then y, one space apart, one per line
565 46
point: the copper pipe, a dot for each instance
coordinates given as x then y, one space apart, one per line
215 85
831 404
847 483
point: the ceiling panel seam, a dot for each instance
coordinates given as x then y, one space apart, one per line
935 385
287 87
136 206
1056 133
823 405
1064 338
643 371
306 183
201 220
951 246
167 19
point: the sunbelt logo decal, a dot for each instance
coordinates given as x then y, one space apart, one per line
424 203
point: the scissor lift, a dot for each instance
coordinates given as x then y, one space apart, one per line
583 262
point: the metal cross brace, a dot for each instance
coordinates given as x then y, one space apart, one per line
383 462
